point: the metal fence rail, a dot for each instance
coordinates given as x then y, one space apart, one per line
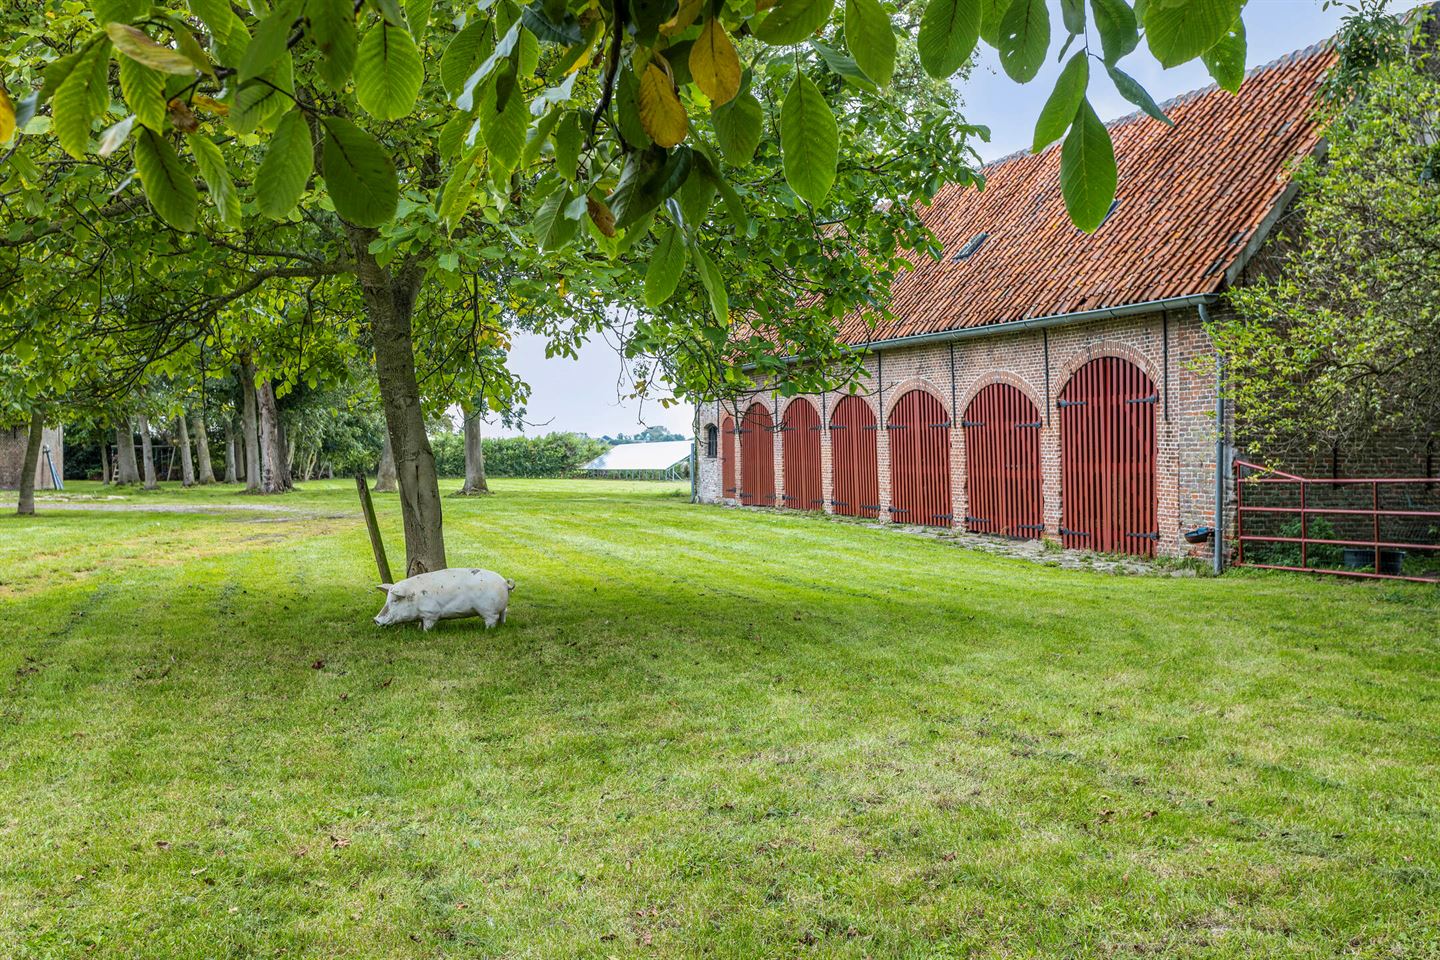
1365 551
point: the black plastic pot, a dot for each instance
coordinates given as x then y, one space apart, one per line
1363 558
1198 535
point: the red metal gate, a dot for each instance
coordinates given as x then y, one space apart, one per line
757 457
800 453
855 461
727 458
1107 459
919 432
1002 463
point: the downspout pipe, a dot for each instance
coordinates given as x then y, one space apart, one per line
1217 543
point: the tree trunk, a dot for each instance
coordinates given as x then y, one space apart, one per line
276 470
31 465
474 456
125 469
147 454
385 472
231 476
251 428
104 460
389 302
202 450
187 463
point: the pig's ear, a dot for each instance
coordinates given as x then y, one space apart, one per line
384 587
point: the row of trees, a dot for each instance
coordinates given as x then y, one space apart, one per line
290 192
551 455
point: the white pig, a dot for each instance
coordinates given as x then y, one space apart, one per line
446 595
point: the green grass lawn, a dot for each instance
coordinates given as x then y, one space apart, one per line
704 732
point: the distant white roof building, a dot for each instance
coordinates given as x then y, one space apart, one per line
640 458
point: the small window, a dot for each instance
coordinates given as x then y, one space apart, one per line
712 441
971 246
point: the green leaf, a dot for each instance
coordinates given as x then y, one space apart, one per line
211 161
667 265
991 13
463 54
1064 100
1226 60
138 46
417 14
56 72
791 21
627 109
1181 30
390 10
1024 39
82 97
1119 31
948 32
114 136
499 52
388 72
216 15
1131 90
734 206
552 227
169 186
564 31
459 188
809 140
359 174
503 128
844 66
871 39
284 172
568 137
332 29
714 284
1087 170
1072 14
144 92
271 36
739 125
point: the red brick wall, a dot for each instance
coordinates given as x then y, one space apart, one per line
12 456
1039 363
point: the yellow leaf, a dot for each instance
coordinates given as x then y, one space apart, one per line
7 116
714 63
689 10
138 46
661 112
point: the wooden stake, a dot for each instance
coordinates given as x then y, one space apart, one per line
362 484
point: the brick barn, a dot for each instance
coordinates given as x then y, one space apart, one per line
1037 381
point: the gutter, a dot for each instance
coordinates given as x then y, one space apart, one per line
1217 541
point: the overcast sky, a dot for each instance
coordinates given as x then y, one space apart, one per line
586 395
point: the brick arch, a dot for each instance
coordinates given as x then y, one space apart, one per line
1106 348
1001 376
895 391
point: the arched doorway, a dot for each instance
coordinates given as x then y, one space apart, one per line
728 488
854 459
757 457
800 454
1107 459
919 432
1002 463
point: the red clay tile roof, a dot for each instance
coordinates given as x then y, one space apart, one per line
1191 197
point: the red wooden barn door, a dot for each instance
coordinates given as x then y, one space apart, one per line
757 457
800 452
1002 463
728 487
920 461
1107 459
855 460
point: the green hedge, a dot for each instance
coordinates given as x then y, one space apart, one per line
553 455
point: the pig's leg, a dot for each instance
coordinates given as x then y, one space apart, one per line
502 616
490 620
427 624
